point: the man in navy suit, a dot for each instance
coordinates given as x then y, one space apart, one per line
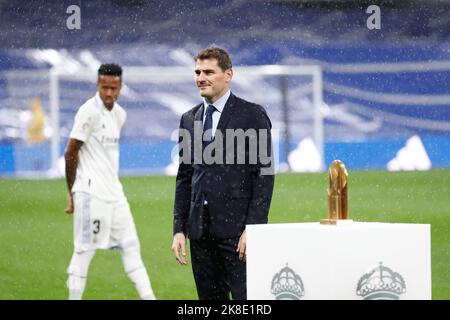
225 179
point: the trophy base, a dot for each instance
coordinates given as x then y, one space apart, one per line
335 222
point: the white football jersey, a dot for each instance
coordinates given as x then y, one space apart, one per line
98 165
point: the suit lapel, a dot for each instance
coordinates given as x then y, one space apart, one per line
227 113
198 116
197 137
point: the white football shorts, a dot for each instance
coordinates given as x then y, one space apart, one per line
100 224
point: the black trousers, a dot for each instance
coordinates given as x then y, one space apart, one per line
217 268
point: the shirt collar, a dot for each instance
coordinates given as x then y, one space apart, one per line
220 103
100 103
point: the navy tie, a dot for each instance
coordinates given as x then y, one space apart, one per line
207 125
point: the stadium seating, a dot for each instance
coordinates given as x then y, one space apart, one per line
379 85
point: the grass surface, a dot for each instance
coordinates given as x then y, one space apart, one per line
36 235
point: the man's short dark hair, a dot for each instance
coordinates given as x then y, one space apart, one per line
221 55
110 69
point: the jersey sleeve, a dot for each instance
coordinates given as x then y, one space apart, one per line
82 126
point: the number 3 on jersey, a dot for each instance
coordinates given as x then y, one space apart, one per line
96 224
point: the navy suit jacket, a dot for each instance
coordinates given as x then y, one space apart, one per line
238 193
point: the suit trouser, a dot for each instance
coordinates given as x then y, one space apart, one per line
217 268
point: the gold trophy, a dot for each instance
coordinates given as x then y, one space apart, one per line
337 194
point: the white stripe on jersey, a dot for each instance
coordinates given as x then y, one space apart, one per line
86 214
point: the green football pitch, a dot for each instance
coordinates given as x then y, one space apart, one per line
36 235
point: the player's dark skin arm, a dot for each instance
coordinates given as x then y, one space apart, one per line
71 157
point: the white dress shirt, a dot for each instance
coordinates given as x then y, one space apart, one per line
219 105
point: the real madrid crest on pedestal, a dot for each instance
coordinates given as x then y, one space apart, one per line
381 283
287 285
337 194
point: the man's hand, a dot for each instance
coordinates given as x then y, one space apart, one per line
179 242
242 246
69 208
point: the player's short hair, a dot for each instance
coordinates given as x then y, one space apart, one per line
110 69
220 54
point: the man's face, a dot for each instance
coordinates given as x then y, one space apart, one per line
109 88
211 79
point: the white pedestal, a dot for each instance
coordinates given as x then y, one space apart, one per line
356 260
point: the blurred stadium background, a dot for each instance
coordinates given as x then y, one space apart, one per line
379 100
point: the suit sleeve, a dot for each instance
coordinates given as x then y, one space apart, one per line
262 172
183 183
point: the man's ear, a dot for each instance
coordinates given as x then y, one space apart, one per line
229 74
